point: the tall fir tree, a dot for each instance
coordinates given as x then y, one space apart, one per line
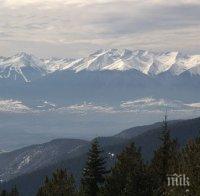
129 175
165 162
191 165
61 184
94 171
4 193
14 191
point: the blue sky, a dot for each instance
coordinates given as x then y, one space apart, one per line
74 28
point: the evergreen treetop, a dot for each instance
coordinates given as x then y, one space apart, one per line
94 171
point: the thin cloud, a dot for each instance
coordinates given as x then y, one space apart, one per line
82 26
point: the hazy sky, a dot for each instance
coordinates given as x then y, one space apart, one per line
73 28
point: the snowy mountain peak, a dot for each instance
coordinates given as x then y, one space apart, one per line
22 66
53 64
28 67
147 62
22 60
23 55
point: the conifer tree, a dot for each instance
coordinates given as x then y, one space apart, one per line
191 165
94 171
4 193
14 191
165 161
129 175
61 184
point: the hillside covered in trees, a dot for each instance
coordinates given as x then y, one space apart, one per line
174 169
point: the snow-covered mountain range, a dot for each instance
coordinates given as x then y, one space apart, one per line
27 67
149 63
105 77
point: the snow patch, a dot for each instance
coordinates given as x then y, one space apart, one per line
111 154
26 160
13 106
87 108
149 104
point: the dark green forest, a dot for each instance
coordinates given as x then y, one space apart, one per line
174 170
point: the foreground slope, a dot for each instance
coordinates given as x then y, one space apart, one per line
34 157
148 140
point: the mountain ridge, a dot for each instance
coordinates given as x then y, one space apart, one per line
146 62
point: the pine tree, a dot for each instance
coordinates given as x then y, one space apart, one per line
61 184
129 175
191 165
14 191
4 193
94 171
165 161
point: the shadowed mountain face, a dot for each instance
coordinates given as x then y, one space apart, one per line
147 137
109 87
104 76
